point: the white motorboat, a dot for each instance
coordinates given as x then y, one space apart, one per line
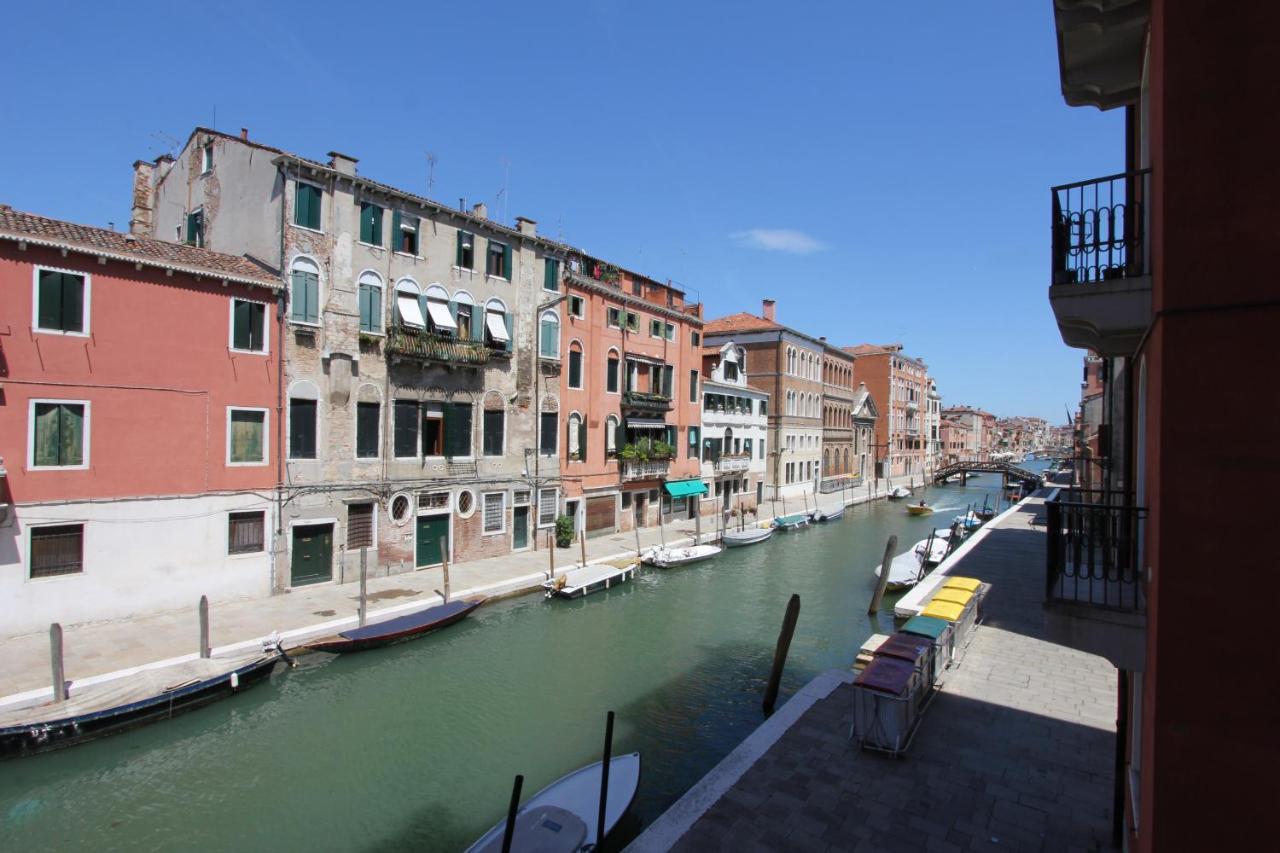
933 551
749 536
667 558
905 571
969 521
584 580
822 515
900 492
562 817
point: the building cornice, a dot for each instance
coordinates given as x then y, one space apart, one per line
591 285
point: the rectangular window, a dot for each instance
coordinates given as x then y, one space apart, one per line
457 429
693 386
576 306
762 448
57 550
730 371
613 317
206 159
764 407
248 326
611 374
371 307
433 431
247 437
370 223
246 532
626 500
633 321
498 260
405 429
550 274
548 432
549 337
404 233
368 420
494 427
696 338
575 368
58 435
306 206
302 429
61 298
359 526
655 328
548 505
195 228
304 297
497 330
669 331
695 441
495 512
466 255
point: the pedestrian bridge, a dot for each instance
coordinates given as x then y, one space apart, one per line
974 465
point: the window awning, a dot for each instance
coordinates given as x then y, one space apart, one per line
410 312
645 423
497 326
440 315
685 488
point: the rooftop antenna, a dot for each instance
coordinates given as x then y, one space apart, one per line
171 144
431 171
500 201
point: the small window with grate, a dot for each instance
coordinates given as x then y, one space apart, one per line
494 514
359 526
57 550
246 532
433 500
400 509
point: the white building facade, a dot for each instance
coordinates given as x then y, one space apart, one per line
735 425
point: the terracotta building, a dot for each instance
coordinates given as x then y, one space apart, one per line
630 382
137 421
899 384
839 456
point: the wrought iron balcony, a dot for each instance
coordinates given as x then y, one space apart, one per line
1095 590
428 346
653 469
733 462
1101 266
646 402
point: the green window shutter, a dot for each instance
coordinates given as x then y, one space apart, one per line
582 439
394 245
458 256
575 369
506 263
191 229
511 331
45 451
240 334
306 297
479 317
366 308
550 274
620 436
376 225
449 429
457 429
453 312
257 323
50 308
72 303
405 428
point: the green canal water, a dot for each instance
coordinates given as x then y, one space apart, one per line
415 746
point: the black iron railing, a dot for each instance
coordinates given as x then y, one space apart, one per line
646 401
1092 554
429 346
1099 228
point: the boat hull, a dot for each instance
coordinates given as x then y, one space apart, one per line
919 510
824 517
398 630
31 739
742 538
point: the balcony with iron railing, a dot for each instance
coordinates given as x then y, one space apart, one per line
1100 285
1095 587
407 342
646 402
650 469
732 462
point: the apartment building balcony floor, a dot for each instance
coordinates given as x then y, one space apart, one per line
1016 751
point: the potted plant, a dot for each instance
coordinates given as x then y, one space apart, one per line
564 531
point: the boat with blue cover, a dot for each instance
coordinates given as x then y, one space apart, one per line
398 629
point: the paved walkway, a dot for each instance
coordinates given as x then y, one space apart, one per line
95 649
1016 752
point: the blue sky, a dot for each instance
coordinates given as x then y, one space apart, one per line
881 169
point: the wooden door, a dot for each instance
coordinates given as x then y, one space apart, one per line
312 559
433 540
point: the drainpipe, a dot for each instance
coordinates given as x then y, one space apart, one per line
281 306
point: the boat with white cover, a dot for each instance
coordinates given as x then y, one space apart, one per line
900 492
969 521
667 558
905 571
933 550
562 817
824 515
584 580
749 536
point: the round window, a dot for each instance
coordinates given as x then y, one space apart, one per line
401 506
466 504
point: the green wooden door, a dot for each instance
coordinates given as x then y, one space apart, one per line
433 539
312 560
520 528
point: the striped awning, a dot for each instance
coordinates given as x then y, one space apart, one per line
646 423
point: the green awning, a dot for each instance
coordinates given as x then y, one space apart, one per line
685 488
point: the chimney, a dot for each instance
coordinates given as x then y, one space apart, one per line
342 163
480 209
140 221
526 226
769 305
244 134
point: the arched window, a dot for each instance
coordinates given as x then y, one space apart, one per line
464 314
304 291
497 325
549 335
577 438
408 304
370 297
575 364
611 436
439 314
611 367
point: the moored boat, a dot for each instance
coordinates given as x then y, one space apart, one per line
584 580
667 558
969 521
899 492
749 536
148 696
933 550
905 571
791 522
563 817
397 629
822 516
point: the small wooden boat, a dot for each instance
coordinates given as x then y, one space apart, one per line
921 508
791 522
749 536
822 516
584 580
669 558
148 696
905 571
899 493
562 817
398 629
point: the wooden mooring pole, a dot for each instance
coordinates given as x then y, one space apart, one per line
551 554
55 656
883 581
582 541
364 578
780 653
204 627
444 565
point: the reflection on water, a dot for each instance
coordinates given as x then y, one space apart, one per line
416 746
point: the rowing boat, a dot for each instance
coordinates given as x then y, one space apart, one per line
398 629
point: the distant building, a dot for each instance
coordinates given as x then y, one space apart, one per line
932 426
838 452
865 415
898 382
735 425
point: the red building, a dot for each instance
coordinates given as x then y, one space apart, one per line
137 423
1163 270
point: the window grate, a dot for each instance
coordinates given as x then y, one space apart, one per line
57 550
360 525
493 512
433 500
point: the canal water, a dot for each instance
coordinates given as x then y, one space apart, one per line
416 746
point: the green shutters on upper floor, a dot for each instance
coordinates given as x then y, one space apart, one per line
550 274
58 435
370 297
306 205
304 295
370 223
61 298
248 325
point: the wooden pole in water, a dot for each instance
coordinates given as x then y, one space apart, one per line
364 576
604 777
780 652
582 541
444 565
635 528
55 656
204 626
697 522
551 556
511 814
883 582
